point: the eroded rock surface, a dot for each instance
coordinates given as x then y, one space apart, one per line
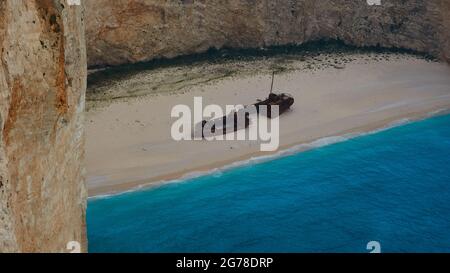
42 89
445 31
128 31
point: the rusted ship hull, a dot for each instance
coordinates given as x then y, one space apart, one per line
283 101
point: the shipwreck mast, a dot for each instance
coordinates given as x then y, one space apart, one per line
271 87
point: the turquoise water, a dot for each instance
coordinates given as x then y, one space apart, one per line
392 187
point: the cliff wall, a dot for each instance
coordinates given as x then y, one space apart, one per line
42 90
128 31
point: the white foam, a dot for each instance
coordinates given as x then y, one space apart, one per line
322 142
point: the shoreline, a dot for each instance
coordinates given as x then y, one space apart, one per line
288 150
136 151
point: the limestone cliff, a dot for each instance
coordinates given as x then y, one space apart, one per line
127 31
42 89
445 31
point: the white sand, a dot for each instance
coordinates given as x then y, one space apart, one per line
129 143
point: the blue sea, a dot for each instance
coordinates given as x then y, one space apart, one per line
392 187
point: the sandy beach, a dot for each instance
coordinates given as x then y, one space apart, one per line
128 137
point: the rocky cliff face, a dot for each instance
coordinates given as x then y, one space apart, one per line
42 87
127 31
445 31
